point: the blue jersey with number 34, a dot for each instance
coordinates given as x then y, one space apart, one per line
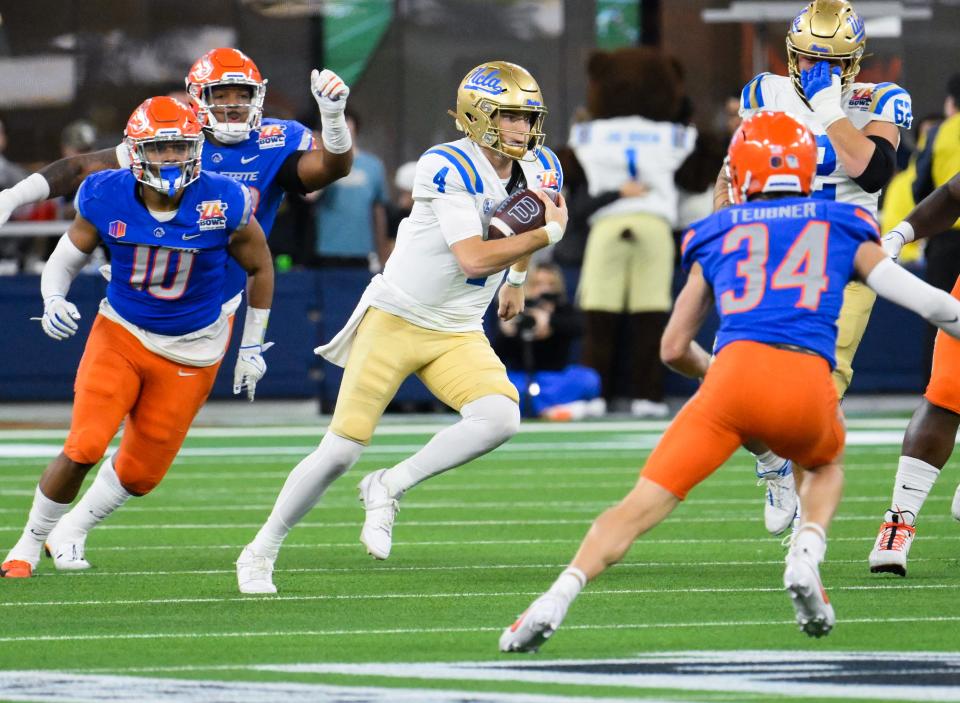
778 268
167 277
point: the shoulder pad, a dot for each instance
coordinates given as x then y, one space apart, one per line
550 171
446 168
751 97
885 101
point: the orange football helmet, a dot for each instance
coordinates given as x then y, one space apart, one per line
222 67
164 139
771 152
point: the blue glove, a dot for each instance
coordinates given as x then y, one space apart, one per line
823 87
818 78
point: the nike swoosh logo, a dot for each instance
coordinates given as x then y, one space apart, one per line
191 236
908 488
180 372
945 322
248 159
35 533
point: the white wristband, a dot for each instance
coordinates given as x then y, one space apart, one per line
516 278
905 230
254 327
335 133
31 189
554 232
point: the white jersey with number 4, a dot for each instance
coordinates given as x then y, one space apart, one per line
455 193
862 103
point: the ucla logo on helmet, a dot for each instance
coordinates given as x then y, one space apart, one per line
856 26
212 215
272 136
797 20
486 80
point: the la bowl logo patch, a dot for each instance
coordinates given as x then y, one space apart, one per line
212 215
272 136
549 179
117 229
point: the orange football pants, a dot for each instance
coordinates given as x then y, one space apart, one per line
119 378
783 398
944 387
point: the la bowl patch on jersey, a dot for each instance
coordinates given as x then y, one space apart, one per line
272 136
212 215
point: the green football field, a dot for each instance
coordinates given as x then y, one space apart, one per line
695 613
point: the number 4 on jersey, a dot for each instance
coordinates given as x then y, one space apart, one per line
803 267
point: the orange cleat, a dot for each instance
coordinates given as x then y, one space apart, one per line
16 569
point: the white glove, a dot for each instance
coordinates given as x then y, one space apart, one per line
894 240
31 189
329 91
250 368
59 316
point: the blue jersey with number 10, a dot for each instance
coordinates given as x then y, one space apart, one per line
778 268
167 277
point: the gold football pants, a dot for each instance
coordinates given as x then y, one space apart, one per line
457 367
858 301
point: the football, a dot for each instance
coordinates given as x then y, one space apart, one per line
521 212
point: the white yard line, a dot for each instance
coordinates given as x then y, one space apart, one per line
449 630
898 586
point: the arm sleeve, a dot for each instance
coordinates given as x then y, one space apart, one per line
61 268
288 178
899 286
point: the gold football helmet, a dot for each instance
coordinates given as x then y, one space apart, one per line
826 29
500 85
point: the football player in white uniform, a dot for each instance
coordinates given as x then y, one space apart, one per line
423 315
857 127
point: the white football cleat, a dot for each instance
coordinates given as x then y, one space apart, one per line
255 572
955 507
67 550
382 509
780 502
889 554
801 578
535 625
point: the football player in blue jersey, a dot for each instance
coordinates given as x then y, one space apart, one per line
857 129
271 157
774 265
161 332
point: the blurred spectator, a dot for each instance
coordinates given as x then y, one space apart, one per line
898 193
535 346
351 213
10 175
401 206
937 163
638 134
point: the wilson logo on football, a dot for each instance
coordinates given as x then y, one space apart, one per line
525 210
272 136
212 215
117 229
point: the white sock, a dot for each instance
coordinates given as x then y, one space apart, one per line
769 463
487 423
303 488
568 585
912 485
811 540
44 515
105 495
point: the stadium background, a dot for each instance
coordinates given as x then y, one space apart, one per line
60 61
